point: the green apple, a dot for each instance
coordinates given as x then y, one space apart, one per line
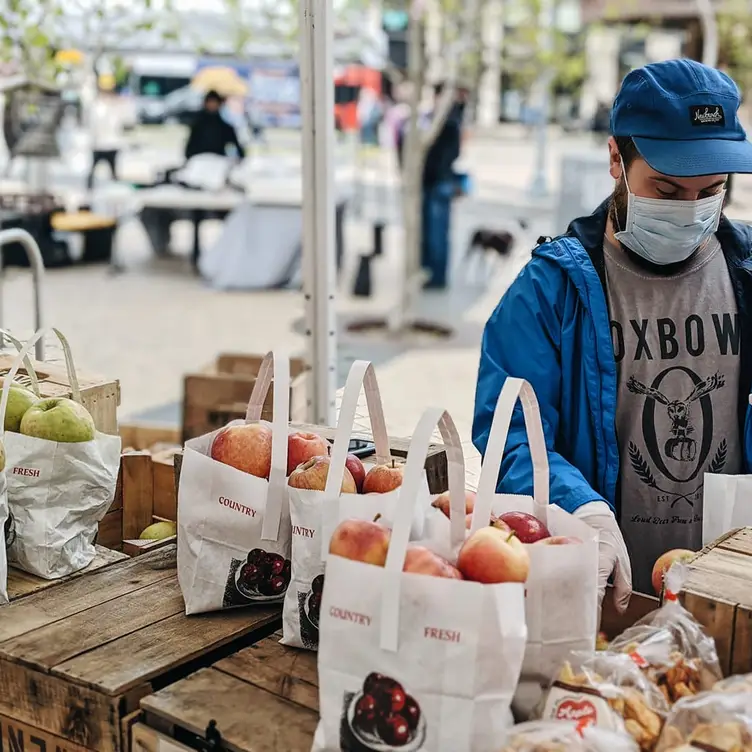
19 401
58 419
2 456
159 531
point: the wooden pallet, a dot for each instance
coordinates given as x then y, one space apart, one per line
220 392
21 583
99 396
263 699
76 658
719 594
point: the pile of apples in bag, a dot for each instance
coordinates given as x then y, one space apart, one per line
248 448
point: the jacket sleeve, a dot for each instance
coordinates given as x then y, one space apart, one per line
191 146
523 339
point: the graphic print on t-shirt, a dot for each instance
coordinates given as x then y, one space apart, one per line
676 342
681 443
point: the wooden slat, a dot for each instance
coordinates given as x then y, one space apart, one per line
86 630
739 541
717 616
146 739
138 493
727 563
110 533
60 708
20 737
285 672
741 656
248 718
136 658
165 500
78 594
22 583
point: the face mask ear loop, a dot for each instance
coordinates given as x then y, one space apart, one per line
629 195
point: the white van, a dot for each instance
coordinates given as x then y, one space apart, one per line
152 78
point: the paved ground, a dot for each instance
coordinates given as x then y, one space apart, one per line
157 321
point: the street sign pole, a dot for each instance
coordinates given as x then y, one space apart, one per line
318 167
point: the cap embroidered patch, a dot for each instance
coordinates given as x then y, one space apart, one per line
711 114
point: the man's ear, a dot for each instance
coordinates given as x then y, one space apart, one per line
614 159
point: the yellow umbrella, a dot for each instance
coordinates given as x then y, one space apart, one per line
225 81
69 57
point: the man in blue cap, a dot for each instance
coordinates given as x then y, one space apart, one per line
634 329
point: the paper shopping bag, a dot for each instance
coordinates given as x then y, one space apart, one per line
234 527
726 504
58 491
6 533
414 662
315 514
561 593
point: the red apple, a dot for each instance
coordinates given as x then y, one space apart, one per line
441 502
664 564
301 446
527 527
358 472
383 478
558 540
247 447
312 475
420 560
491 555
361 540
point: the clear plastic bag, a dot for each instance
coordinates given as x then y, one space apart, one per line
609 691
670 646
711 722
560 736
734 684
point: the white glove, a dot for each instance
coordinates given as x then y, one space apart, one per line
612 552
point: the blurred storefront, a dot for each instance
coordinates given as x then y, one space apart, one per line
630 33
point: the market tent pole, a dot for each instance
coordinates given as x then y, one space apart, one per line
317 112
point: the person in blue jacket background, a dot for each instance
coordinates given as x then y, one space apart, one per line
635 330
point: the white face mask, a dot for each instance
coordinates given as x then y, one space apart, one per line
667 231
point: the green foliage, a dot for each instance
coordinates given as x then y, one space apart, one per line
735 43
527 53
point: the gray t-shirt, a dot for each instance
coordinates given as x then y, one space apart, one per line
676 344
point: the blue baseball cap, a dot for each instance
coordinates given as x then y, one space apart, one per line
683 118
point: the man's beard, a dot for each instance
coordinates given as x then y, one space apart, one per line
618 209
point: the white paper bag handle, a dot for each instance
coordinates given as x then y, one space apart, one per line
362 375
408 498
26 361
8 379
513 390
278 363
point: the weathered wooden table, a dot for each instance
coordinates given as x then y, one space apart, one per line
78 656
263 698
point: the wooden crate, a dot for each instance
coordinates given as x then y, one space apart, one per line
613 623
145 490
719 594
76 658
274 707
220 393
100 396
22 583
436 462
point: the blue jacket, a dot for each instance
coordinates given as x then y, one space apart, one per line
552 327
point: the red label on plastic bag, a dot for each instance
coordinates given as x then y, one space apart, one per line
638 659
583 712
670 597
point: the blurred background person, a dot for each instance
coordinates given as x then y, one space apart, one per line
211 133
107 126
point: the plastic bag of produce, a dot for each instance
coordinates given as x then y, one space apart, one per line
315 514
564 736
709 722
407 660
561 595
734 684
233 507
670 646
6 528
61 475
609 691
